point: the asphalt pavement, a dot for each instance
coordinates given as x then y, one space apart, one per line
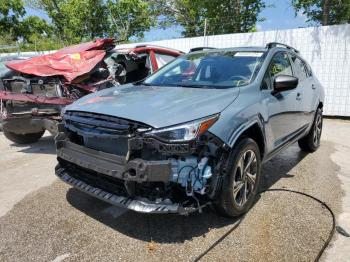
43 219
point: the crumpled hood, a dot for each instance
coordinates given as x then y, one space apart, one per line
156 106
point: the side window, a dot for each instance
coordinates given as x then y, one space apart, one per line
279 65
163 59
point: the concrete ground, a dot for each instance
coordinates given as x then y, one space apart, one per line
43 219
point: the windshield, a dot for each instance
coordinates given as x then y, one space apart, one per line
221 69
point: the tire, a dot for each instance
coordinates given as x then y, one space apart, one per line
23 138
312 140
233 203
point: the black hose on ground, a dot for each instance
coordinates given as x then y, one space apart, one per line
240 219
324 204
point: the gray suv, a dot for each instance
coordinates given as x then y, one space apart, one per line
194 133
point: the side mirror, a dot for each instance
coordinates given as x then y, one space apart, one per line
284 83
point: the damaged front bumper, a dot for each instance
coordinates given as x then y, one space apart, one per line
136 170
37 99
138 205
113 160
97 173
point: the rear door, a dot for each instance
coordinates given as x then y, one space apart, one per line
304 86
308 88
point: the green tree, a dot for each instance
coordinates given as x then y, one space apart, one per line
11 11
222 16
324 12
74 21
34 26
24 33
82 20
129 18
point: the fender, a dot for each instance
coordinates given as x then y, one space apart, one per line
257 119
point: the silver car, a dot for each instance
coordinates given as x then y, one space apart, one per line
193 134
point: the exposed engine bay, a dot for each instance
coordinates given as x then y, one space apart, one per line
32 103
43 97
114 159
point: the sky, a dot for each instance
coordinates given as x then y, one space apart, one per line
279 16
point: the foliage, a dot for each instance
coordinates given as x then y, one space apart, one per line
74 21
129 18
222 16
33 26
324 12
10 13
23 33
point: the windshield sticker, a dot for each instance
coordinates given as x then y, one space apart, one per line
250 54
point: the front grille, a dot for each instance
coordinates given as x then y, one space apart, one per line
100 132
107 183
149 190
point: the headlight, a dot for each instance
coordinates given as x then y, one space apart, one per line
184 132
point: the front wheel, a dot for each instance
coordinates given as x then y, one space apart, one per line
312 140
241 183
23 138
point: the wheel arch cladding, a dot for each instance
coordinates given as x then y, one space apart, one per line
254 132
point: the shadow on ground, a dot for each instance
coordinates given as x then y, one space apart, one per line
46 145
174 228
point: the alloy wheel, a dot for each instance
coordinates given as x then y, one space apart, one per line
245 178
317 130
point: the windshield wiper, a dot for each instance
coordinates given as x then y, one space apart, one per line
196 86
142 83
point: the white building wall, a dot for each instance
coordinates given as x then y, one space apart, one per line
326 48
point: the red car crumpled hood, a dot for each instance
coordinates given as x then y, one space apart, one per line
69 62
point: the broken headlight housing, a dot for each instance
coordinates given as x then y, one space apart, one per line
184 132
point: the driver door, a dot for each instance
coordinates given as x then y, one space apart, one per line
283 107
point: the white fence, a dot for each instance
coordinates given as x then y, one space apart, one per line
327 49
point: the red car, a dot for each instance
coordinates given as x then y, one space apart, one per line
35 91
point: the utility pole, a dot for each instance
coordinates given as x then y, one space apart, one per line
205 31
325 12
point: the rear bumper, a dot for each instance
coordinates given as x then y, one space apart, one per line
137 205
28 124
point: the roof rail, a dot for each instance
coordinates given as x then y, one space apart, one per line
157 46
275 44
201 48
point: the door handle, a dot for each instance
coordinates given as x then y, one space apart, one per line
313 86
298 96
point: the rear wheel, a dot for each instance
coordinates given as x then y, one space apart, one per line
242 180
312 140
23 138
